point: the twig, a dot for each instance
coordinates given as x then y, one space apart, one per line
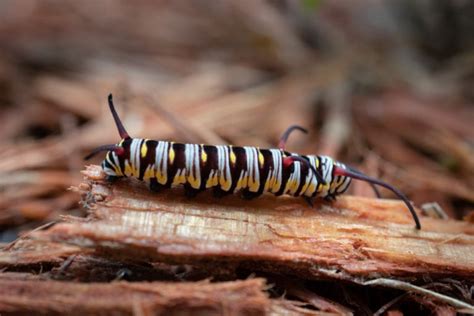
405 286
66 264
386 306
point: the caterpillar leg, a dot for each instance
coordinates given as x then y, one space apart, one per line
217 192
330 198
248 195
111 179
189 191
286 134
155 186
309 200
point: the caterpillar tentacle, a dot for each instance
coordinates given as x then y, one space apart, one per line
286 135
229 169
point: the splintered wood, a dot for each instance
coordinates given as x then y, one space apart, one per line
30 295
351 238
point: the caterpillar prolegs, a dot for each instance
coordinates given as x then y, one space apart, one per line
227 169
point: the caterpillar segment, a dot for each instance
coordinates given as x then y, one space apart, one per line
229 169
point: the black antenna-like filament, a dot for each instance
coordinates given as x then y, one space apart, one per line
360 176
122 132
286 134
376 191
117 149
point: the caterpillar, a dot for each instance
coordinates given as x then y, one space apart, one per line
227 169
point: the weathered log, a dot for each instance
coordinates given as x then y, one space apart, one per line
351 238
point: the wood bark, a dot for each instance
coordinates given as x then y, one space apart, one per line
152 238
27 294
351 238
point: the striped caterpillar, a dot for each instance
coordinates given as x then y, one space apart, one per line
228 169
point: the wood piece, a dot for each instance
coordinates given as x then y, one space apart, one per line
288 307
28 295
28 252
67 262
352 237
321 303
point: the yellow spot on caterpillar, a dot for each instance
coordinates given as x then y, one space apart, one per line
290 186
233 159
128 169
148 173
180 177
118 170
215 180
260 159
171 153
144 149
131 170
254 185
161 178
195 183
203 154
245 180
270 180
225 183
324 186
295 185
209 181
305 186
267 185
311 188
276 186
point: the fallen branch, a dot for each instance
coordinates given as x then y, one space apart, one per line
350 239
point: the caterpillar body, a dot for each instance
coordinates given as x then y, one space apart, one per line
227 169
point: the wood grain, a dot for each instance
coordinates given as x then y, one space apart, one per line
352 237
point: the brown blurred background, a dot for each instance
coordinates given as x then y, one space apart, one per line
386 86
